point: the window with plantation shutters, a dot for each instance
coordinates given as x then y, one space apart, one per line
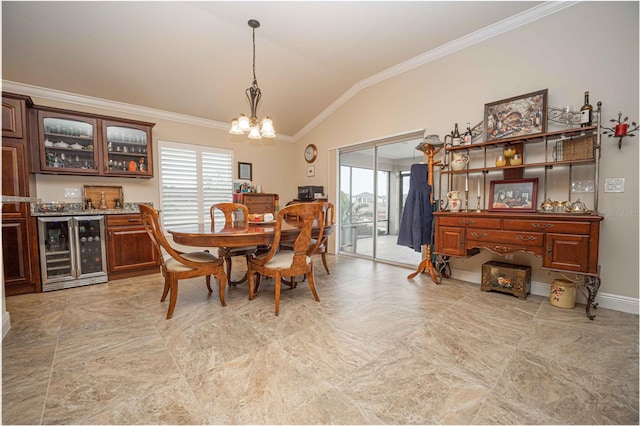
192 179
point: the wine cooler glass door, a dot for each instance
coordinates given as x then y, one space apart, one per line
56 255
91 253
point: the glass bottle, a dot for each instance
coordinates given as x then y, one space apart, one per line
456 136
467 134
586 112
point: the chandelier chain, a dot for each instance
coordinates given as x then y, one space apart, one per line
255 80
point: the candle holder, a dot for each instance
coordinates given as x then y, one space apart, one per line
466 201
478 208
621 130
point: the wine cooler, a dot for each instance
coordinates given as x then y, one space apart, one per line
72 251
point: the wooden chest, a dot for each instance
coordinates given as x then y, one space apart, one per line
506 278
257 203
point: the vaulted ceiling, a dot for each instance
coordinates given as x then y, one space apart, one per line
194 58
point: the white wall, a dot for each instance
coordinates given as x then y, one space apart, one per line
554 53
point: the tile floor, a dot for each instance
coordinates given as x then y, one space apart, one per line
377 349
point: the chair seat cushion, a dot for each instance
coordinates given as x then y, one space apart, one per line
282 260
199 256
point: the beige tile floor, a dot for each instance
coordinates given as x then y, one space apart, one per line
377 349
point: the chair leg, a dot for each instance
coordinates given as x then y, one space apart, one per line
166 289
324 263
312 285
173 296
251 276
222 285
277 284
209 283
227 261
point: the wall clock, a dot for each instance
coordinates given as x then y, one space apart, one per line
310 153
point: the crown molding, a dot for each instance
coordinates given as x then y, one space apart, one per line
72 98
508 24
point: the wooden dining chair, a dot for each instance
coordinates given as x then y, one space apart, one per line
180 265
289 263
318 246
227 253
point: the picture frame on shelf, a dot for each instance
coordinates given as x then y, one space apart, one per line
311 171
515 195
245 171
517 116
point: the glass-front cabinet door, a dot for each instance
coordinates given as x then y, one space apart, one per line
67 143
127 150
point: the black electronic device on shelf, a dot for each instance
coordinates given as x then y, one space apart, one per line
310 192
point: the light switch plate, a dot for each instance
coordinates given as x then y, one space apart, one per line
73 192
614 185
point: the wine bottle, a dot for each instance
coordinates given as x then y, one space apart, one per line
586 112
456 136
467 135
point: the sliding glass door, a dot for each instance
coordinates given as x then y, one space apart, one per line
374 183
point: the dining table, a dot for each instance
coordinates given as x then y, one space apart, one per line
240 234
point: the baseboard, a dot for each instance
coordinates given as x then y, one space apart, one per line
604 300
6 323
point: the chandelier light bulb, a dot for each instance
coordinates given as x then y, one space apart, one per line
254 133
267 129
243 123
235 128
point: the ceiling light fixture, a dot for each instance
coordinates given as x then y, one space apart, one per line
242 123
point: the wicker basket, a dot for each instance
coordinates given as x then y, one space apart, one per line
580 148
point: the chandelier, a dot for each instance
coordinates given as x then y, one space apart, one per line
242 123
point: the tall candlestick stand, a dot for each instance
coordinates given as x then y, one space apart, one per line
466 201
430 151
478 210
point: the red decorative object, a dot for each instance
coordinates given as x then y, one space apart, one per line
621 129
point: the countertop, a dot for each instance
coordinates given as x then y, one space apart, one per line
75 209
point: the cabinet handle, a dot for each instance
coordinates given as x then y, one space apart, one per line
543 225
549 251
467 222
479 234
526 238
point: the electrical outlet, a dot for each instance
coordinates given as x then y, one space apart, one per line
73 192
614 185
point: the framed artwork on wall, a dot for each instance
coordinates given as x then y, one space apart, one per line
244 171
518 116
517 195
311 171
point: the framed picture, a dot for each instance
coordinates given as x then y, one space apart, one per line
311 171
518 195
518 116
244 171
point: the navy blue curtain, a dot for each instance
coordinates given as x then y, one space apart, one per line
417 216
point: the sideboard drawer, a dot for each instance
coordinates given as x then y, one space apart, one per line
476 222
506 237
542 225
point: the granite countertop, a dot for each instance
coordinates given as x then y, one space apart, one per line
76 209
17 199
